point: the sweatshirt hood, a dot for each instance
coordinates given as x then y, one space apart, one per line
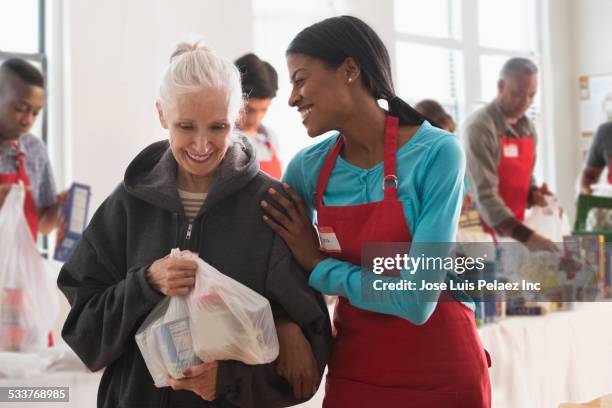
151 176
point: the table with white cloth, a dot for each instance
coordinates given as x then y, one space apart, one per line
537 362
543 361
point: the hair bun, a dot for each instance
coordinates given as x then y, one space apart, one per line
187 47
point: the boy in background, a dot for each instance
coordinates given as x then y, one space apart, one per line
23 157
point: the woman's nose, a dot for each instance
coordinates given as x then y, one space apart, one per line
201 144
293 97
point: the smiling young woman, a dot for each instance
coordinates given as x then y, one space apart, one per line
384 176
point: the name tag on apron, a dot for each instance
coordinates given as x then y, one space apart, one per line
511 150
329 241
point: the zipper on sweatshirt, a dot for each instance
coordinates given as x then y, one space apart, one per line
188 235
190 238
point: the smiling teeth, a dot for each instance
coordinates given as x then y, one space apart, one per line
199 157
305 113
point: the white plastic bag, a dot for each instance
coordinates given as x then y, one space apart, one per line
164 339
221 319
550 221
28 297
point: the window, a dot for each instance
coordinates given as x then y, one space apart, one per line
453 50
19 26
428 53
432 18
447 50
276 23
21 36
516 31
442 63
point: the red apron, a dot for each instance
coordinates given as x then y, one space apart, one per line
517 156
30 210
610 170
380 360
272 166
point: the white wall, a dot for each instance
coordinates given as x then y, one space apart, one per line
115 53
593 20
582 30
575 43
558 77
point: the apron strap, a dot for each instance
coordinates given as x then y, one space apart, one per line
390 181
326 170
20 161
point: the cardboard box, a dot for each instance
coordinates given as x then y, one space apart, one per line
75 215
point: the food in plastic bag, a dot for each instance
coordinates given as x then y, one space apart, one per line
28 299
221 319
165 342
549 221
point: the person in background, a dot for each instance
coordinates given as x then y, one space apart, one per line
600 155
437 116
500 145
23 156
382 176
198 191
259 84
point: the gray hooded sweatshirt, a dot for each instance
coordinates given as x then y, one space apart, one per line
140 222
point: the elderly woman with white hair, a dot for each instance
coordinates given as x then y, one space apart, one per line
198 191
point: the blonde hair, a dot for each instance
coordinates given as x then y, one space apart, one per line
194 66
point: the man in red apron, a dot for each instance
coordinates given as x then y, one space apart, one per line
600 157
501 151
259 83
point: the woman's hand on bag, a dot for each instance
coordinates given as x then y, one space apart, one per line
200 379
295 228
171 276
296 362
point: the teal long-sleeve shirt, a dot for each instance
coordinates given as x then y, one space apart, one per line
430 169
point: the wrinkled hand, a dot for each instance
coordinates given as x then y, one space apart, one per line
296 362
539 195
296 229
171 276
200 379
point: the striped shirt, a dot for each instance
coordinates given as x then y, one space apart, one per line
192 202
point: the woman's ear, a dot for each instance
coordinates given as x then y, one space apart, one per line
160 113
351 69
